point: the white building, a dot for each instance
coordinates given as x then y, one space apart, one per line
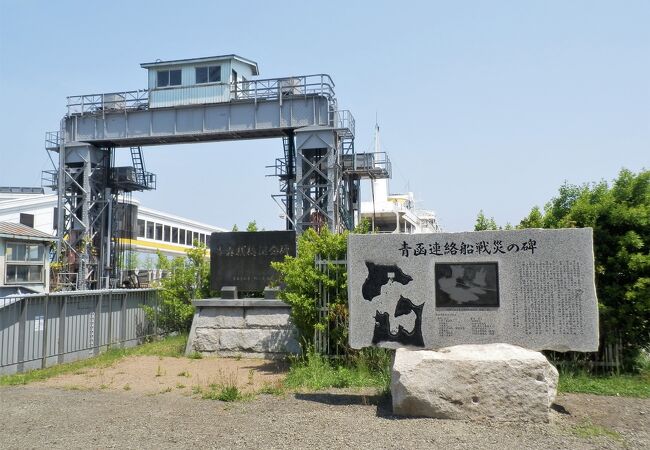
153 230
395 213
24 259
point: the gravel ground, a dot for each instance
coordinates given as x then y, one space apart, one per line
42 416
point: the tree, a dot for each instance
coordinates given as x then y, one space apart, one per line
189 279
620 218
234 228
252 226
483 223
535 219
302 279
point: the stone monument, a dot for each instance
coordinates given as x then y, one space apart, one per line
234 326
453 293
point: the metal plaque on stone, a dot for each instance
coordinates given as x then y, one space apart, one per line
243 259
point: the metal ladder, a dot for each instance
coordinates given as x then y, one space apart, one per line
138 165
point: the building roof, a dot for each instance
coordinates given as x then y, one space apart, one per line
203 60
20 231
21 190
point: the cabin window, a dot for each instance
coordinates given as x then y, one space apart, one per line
175 235
159 232
168 78
167 233
209 74
181 236
188 239
150 230
140 228
24 263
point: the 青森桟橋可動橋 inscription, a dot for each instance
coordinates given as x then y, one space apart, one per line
533 288
243 259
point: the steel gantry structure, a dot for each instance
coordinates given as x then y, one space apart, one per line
319 172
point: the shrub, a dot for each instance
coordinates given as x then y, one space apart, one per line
189 279
620 217
303 280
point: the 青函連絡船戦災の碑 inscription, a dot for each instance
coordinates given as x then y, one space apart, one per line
534 288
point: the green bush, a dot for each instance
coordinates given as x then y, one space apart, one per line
620 217
302 281
189 279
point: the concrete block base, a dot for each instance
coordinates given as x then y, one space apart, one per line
255 328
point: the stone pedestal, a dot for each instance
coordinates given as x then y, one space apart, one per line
474 382
255 328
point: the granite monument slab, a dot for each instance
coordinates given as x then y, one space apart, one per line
243 259
532 288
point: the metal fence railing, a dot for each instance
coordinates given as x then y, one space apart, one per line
262 89
41 330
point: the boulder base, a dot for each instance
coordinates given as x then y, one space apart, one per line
474 382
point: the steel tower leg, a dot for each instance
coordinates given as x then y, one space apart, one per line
318 177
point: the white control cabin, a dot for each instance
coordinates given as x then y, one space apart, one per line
197 81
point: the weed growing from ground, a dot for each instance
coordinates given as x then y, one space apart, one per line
271 389
316 372
589 430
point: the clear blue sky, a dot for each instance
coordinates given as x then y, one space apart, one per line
482 104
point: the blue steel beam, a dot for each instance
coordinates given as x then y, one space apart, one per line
242 119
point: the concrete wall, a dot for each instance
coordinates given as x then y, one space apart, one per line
248 327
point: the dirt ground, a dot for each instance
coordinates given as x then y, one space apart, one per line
151 402
150 375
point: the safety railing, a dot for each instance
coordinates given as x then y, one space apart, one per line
41 330
343 120
53 139
108 102
279 88
266 89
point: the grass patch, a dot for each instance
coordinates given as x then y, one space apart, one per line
368 369
170 346
225 394
271 389
589 430
195 355
637 385
184 373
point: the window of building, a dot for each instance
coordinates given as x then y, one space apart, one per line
202 238
150 229
181 236
208 74
24 263
188 238
175 235
141 228
159 232
168 78
167 233
207 240
195 237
